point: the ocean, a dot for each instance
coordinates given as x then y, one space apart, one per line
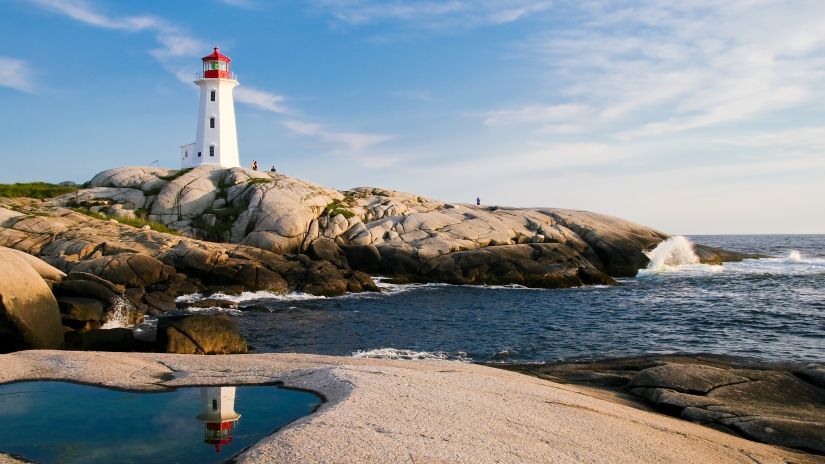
770 309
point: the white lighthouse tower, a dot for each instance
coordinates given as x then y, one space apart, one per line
218 415
216 140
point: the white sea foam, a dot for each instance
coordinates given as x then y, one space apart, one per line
671 254
248 296
118 317
396 353
676 255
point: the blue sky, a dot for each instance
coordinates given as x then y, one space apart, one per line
692 117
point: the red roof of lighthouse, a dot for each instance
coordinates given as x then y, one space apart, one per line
216 55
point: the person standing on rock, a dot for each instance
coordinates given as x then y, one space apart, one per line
254 165
272 169
478 201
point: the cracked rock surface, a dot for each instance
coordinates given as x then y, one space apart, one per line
391 411
410 237
152 268
771 403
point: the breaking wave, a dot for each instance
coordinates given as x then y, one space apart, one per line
676 255
119 316
247 296
396 353
671 254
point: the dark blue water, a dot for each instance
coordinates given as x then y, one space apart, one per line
58 422
772 309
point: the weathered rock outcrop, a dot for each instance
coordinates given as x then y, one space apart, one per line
29 315
378 230
151 268
771 403
199 334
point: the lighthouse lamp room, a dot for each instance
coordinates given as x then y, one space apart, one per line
216 139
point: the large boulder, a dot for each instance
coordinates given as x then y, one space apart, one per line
771 406
326 249
29 315
199 334
535 265
130 269
46 271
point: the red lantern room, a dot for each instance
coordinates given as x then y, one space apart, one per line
216 65
219 434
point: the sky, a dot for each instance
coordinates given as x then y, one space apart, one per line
692 117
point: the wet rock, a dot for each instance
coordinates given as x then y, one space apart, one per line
85 276
695 378
365 258
120 339
29 315
80 309
770 403
84 288
533 265
326 249
199 334
160 301
324 279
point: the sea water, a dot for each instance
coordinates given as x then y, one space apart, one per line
771 309
59 422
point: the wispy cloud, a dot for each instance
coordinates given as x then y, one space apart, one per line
16 74
262 99
352 140
173 41
448 13
651 68
548 117
247 4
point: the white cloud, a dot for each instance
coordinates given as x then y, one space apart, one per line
261 98
174 42
352 140
448 13
248 4
16 74
547 116
803 138
650 68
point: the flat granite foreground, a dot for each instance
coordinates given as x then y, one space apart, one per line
416 411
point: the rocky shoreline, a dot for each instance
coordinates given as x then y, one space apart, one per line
417 411
776 403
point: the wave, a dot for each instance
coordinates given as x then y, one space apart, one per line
119 316
397 353
672 254
247 296
676 255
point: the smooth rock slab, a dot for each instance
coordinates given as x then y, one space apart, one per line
386 411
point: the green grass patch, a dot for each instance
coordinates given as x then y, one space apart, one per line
258 181
35 190
138 222
175 175
336 207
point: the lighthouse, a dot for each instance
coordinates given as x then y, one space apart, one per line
218 415
216 140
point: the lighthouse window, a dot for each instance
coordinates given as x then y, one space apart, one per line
212 123
199 154
212 95
214 405
212 150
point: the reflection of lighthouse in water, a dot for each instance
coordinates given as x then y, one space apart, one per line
218 415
